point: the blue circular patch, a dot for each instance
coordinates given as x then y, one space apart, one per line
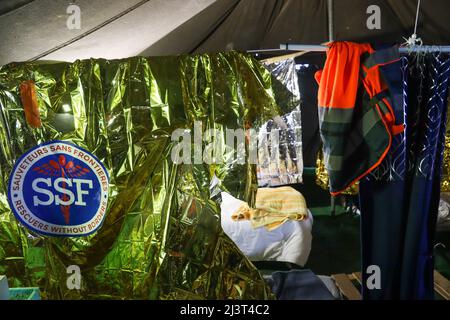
59 189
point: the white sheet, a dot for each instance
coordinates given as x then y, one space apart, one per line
291 242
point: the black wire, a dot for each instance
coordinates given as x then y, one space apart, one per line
16 7
216 27
81 36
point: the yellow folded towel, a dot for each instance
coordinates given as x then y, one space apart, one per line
273 207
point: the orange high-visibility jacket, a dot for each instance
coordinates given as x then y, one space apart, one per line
355 111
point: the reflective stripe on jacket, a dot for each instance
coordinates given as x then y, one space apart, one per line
355 111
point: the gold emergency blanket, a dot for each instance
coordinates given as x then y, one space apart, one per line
161 238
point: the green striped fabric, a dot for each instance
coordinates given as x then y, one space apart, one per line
354 140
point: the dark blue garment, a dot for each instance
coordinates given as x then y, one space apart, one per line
382 202
427 111
399 200
382 218
298 285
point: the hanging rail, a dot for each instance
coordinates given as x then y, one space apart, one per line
322 48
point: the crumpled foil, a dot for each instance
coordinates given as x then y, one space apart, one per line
161 238
445 185
280 159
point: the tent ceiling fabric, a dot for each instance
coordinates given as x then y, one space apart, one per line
264 24
397 21
40 26
11 5
257 24
29 28
188 36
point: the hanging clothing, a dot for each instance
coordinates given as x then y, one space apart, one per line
323 179
356 121
445 185
400 199
382 204
310 122
428 110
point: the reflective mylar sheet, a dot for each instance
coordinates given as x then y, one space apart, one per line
161 238
280 159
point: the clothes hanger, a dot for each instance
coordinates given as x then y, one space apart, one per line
414 42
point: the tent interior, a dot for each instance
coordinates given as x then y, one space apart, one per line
36 30
118 29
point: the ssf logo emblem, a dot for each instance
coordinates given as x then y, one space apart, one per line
59 189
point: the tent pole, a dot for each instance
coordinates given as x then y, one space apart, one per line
330 20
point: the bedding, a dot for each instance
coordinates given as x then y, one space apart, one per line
291 242
299 285
273 207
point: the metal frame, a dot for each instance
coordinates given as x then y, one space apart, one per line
322 48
